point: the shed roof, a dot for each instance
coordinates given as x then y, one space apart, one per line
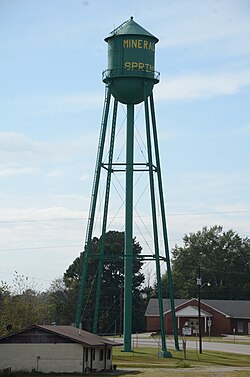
230 308
70 333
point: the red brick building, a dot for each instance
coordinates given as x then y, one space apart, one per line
217 316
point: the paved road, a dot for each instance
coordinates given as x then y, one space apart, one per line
224 347
191 344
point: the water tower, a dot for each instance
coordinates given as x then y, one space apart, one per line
130 79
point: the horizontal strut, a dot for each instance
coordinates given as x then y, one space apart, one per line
106 167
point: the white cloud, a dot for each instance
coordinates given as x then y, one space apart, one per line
56 173
67 103
75 197
32 213
197 86
14 143
52 236
243 131
38 105
188 86
16 170
40 227
188 22
203 31
19 147
85 177
18 154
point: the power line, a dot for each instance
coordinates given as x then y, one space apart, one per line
62 246
81 219
40 220
42 247
207 213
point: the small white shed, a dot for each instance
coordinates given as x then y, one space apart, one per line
60 349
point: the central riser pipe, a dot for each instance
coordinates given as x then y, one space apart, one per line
129 229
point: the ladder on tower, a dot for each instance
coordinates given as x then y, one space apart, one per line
92 208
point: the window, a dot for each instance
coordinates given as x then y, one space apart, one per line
93 353
240 327
101 355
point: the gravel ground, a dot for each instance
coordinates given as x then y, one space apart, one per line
208 371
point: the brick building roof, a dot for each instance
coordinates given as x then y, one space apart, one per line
230 308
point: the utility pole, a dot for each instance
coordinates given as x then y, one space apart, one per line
199 309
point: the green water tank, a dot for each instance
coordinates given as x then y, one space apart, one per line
131 61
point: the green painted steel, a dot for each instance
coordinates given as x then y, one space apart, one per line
164 222
131 58
128 230
105 217
90 225
155 228
130 78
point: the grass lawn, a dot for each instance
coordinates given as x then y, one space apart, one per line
148 357
146 363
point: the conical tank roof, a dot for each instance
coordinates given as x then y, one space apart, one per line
130 27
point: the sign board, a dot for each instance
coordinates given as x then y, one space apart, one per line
194 323
196 331
209 323
186 331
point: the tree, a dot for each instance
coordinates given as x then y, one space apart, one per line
224 262
111 302
22 306
60 297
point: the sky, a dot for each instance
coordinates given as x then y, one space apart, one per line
52 55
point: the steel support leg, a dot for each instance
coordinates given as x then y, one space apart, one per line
129 230
164 222
105 216
90 225
165 353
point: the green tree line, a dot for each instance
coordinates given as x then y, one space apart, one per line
221 257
